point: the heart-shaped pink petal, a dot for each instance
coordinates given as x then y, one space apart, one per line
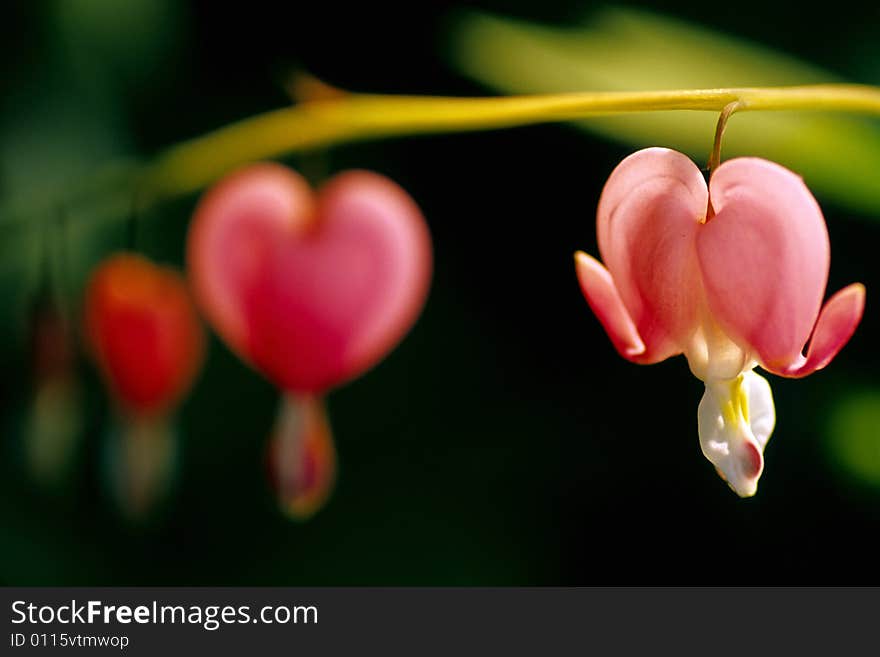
647 221
764 258
311 289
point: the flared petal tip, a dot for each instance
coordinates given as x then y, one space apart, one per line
836 324
604 300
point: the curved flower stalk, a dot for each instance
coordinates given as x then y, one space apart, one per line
732 275
312 289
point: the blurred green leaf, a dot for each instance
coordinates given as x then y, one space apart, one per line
626 50
854 436
131 41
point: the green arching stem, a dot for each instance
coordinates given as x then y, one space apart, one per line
193 164
337 118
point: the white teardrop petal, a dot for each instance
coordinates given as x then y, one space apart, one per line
735 419
762 413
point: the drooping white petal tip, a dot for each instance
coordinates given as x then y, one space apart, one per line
735 419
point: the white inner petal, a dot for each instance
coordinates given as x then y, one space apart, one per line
762 414
712 355
735 419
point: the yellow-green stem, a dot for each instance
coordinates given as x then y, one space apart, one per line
335 118
196 163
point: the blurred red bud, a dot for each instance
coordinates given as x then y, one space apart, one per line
54 416
143 332
51 344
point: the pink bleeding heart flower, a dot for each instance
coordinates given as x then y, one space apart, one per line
731 285
312 289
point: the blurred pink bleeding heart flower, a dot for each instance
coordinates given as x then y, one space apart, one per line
311 288
731 285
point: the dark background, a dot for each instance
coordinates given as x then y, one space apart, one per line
504 442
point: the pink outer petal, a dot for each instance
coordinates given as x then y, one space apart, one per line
605 302
837 322
330 304
311 289
359 197
273 200
648 217
764 257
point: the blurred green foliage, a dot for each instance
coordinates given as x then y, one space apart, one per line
628 50
853 436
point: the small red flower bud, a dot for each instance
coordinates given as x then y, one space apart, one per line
54 418
143 332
